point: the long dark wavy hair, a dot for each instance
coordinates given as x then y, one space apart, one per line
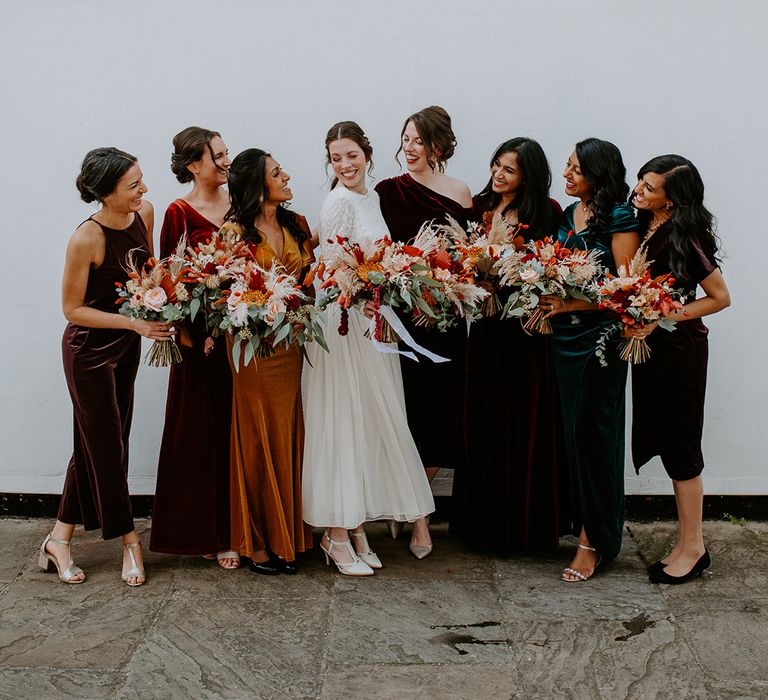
689 219
603 167
247 183
531 201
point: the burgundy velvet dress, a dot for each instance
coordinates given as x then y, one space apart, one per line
507 496
668 389
191 508
435 394
100 366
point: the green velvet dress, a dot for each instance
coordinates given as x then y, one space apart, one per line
593 400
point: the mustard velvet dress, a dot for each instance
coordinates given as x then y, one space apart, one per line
267 439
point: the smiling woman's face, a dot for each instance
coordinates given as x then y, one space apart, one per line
277 182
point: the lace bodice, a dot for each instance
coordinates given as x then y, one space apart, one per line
347 213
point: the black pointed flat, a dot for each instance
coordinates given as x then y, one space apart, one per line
265 568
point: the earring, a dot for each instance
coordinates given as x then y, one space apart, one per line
668 206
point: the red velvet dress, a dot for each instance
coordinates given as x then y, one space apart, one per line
435 394
507 496
191 508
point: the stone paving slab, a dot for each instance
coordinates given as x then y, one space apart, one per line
415 682
383 622
62 684
231 648
455 625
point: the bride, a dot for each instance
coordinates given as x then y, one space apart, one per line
360 461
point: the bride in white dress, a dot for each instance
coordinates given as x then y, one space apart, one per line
360 461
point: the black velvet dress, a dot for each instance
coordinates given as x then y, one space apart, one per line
507 496
668 389
435 394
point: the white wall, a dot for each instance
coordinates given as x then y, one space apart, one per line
653 77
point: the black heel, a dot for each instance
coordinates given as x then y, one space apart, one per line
661 576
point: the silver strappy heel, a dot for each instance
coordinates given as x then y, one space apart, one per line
135 571
47 559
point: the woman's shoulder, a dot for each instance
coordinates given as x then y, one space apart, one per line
623 218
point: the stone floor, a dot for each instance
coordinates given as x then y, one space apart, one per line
456 625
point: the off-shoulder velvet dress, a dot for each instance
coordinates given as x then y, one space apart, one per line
668 389
100 366
592 399
267 439
507 496
191 507
435 393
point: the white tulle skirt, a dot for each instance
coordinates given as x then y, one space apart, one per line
360 461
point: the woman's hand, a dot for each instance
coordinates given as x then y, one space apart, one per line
551 305
154 330
639 330
369 310
208 346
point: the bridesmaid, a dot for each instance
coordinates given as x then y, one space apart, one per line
191 508
505 497
591 396
678 236
267 436
434 393
101 352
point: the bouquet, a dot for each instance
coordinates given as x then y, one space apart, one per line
423 277
207 268
546 267
155 293
638 299
262 309
481 247
380 271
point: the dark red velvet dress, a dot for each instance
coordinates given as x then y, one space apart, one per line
668 389
100 366
506 498
191 509
435 394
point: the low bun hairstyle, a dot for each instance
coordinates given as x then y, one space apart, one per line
348 130
100 172
188 147
433 125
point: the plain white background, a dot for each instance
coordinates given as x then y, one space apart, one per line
653 77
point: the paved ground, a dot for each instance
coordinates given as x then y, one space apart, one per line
456 625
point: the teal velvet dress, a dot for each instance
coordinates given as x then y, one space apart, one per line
593 400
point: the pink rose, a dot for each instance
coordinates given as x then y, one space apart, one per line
155 299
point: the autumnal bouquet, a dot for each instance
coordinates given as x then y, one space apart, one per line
638 299
155 293
208 268
546 267
452 263
381 271
262 309
480 248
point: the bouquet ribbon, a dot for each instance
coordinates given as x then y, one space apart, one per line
391 317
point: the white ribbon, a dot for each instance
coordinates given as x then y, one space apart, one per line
391 348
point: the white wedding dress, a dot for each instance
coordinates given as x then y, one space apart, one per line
360 461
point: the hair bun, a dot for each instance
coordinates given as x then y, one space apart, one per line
86 193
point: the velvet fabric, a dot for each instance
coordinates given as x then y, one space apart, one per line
191 506
267 438
100 366
435 394
592 399
668 389
507 496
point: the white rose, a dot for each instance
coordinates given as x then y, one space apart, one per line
529 276
155 299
